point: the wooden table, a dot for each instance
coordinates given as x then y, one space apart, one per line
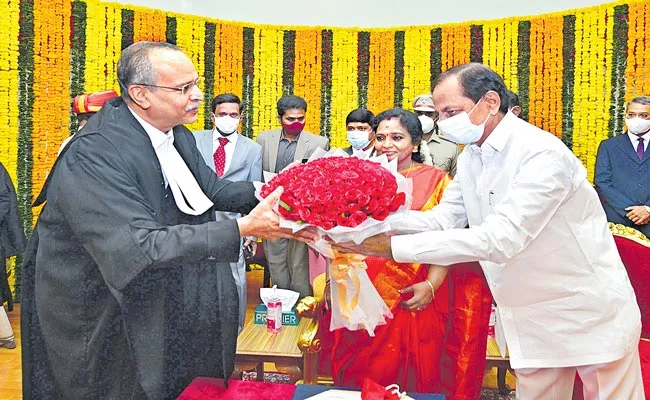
493 359
255 346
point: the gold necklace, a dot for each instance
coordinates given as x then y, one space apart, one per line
410 168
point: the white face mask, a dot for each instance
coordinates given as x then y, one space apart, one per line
226 124
358 139
460 129
637 126
427 123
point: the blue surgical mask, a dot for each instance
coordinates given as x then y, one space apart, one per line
358 139
460 129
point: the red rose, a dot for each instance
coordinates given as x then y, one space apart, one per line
336 191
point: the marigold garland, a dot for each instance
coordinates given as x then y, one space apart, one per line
308 52
51 75
381 70
573 70
228 60
190 36
344 83
417 71
268 78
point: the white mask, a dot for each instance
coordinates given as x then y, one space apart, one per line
427 123
637 126
460 129
358 139
226 124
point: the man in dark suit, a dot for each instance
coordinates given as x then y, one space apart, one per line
129 302
12 242
288 260
358 124
623 170
238 159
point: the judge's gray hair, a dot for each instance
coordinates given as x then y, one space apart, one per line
135 68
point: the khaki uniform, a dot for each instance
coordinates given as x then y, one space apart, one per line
444 153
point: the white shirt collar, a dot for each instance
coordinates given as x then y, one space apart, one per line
635 139
232 138
501 133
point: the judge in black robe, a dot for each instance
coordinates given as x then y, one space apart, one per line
12 237
126 299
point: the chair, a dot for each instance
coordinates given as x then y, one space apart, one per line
634 248
310 341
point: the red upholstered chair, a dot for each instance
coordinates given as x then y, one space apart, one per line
634 249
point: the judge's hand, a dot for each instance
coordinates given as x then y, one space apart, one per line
378 245
264 222
638 214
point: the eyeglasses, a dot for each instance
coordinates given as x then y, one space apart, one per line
184 90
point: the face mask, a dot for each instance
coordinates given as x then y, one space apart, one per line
460 129
358 139
427 123
293 128
226 124
637 126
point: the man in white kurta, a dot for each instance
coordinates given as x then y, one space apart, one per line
538 229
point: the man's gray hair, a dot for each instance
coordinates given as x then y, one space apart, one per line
645 100
135 68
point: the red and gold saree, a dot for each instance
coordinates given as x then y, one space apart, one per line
411 348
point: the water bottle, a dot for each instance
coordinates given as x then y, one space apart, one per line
274 314
493 322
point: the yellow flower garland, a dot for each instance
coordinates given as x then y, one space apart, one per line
344 83
417 64
9 87
189 37
268 78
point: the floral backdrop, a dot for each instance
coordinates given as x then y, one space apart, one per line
573 70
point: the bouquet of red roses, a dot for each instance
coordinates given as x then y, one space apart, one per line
346 199
337 191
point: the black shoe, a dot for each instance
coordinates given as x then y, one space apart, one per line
8 343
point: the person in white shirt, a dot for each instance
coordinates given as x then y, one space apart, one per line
540 234
358 124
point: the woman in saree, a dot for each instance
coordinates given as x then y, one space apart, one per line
426 331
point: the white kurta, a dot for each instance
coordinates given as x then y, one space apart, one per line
541 236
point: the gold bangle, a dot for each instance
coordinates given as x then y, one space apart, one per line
433 292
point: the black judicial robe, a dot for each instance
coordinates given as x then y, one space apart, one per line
12 236
125 299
